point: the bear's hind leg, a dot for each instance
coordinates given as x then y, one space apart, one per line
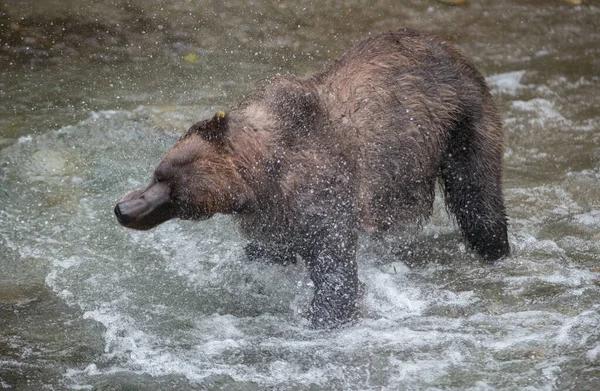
472 182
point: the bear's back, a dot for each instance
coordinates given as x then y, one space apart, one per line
395 100
385 112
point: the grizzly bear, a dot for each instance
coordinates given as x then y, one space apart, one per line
304 164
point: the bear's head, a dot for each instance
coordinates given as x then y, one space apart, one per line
196 178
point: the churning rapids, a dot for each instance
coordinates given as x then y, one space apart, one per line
86 304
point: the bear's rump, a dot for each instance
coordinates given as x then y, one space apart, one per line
397 185
400 159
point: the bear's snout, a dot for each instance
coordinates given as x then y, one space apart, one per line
122 213
145 209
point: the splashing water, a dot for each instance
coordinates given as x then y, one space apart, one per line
86 304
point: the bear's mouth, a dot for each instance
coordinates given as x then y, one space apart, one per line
147 208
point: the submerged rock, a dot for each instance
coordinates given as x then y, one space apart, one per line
49 165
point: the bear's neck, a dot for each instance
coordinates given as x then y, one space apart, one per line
254 140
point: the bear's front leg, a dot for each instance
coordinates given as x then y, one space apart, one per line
331 263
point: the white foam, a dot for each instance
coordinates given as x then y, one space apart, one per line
507 83
222 327
592 354
542 111
570 277
217 347
388 298
590 219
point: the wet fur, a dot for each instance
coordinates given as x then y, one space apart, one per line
304 164
396 115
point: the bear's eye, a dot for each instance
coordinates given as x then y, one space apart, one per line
158 177
161 173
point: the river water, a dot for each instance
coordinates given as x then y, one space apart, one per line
93 92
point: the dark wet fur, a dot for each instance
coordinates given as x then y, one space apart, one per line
304 164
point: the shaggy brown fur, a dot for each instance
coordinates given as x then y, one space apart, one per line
304 164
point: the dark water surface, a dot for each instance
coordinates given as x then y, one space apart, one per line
92 94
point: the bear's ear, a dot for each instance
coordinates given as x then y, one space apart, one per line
213 129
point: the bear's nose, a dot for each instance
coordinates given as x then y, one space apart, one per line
122 216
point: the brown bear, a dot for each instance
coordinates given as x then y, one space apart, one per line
304 164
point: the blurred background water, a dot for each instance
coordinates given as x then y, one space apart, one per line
93 92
